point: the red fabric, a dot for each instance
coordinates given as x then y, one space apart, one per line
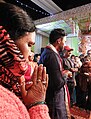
10 106
12 63
67 48
68 95
27 74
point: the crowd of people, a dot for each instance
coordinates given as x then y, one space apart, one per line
79 84
39 86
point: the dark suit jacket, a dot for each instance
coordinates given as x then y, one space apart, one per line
51 61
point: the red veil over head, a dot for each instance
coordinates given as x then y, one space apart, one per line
12 63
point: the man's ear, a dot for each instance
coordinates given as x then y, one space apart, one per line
59 40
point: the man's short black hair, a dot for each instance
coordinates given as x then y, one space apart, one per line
55 34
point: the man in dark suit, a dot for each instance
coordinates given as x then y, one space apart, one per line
50 58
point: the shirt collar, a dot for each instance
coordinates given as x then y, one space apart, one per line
53 48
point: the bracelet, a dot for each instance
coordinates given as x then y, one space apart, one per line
36 103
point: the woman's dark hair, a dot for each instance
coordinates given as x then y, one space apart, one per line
55 34
15 20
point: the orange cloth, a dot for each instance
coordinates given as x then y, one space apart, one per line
12 108
39 112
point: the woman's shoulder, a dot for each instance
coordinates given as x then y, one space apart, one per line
10 105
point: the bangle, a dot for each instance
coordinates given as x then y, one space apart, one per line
36 103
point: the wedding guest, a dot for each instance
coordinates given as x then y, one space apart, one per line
51 59
17 35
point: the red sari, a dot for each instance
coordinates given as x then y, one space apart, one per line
12 63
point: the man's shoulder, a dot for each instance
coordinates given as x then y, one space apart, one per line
48 51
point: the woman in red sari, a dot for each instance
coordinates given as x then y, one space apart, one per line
17 35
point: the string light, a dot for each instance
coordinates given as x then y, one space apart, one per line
22 4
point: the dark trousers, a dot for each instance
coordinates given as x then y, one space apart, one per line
81 97
57 109
89 97
71 88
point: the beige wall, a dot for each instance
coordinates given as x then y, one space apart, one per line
44 41
40 42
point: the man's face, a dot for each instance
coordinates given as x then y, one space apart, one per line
68 53
89 53
62 43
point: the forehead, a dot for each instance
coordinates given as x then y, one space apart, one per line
30 37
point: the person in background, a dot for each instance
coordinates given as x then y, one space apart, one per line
82 57
89 54
72 58
86 59
78 62
37 58
85 84
17 35
51 59
68 64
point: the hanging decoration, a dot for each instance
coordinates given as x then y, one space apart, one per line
85 44
22 4
82 45
85 24
75 13
79 19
